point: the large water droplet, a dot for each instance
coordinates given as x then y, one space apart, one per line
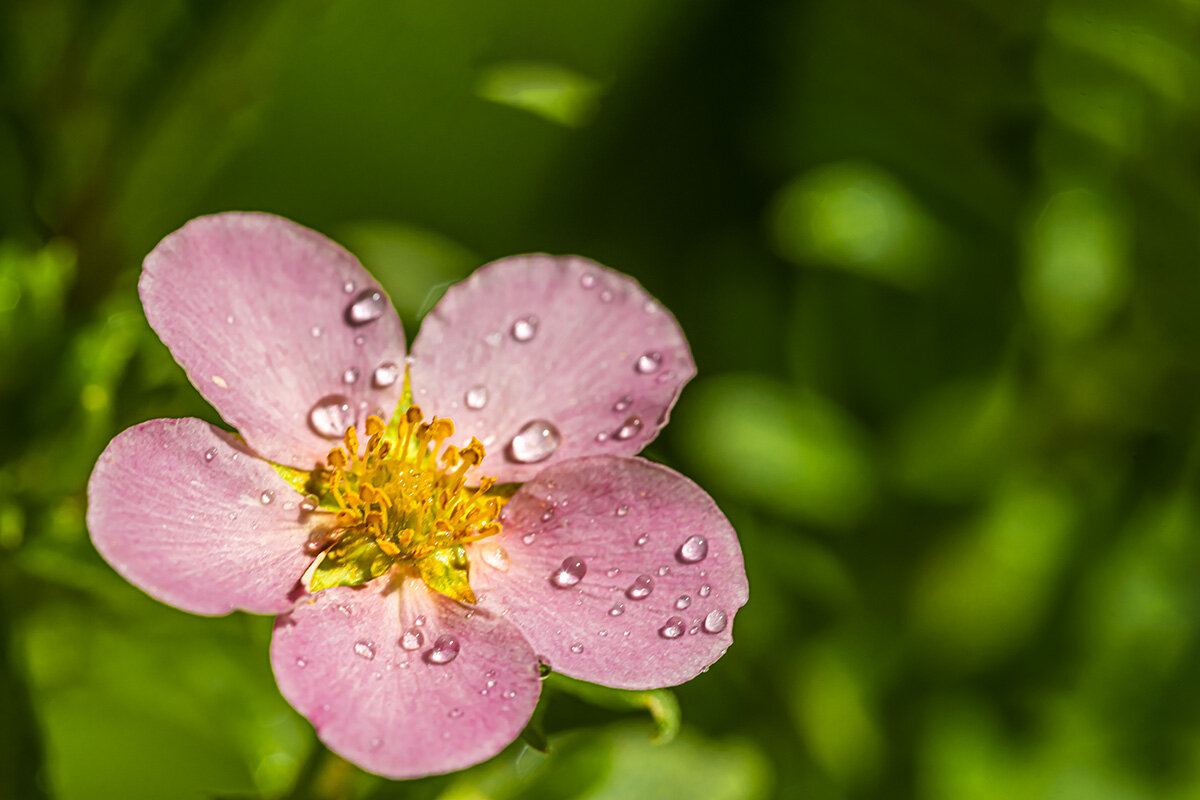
629 429
364 650
210 454
331 415
570 573
715 621
673 629
267 497
385 374
622 404
412 639
494 555
649 362
536 441
525 328
641 588
367 306
444 650
693 549
476 397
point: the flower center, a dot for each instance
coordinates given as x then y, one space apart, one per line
403 501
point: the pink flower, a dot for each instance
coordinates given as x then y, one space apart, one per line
610 568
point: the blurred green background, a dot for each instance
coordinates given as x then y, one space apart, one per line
939 264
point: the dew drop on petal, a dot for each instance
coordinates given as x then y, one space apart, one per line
529 537
360 340
536 441
622 510
570 573
444 650
331 415
210 454
705 590
419 621
385 374
364 650
412 639
617 610
588 280
641 588
693 549
577 648
663 570
367 306
548 515
455 713
350 375
525 328
348 287
476 397
683 602
316 331
629 429
673 629
494 555
267 497
649 362
309 503
602 436
715 621
301 663
641 540
613 572
606 296
623 403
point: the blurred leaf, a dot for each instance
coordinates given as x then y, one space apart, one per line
661 703
548 90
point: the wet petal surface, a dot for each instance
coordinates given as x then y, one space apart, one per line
189 515
618 570
403 681
545 359
279 328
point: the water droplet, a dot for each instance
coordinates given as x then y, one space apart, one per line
536 441
301 663
350 375
650 307
376 742
649 362
622 510
331 415
629 429
612 572
641 588
570 573
641 540
229 319
367 306
348 287
693 549
509 694
476 397
577 648
309 503
455 713
673 629
343 609
588 280
529 537
494 555
683 602
602 436
210 454
364 650
617 610
385 374
419 621
267 497
493 339
316 331
715 621
705 590
548 515
525 328
606 296
444 650
360 340
623 403
663 570
412 639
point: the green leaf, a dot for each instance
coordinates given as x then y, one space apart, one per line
445 571
661 703
356 562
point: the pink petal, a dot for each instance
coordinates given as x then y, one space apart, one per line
633 525
256 309
189 515
534 339
382 700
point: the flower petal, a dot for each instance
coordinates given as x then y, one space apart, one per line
534 339
582 544
257 310
177 507
399 705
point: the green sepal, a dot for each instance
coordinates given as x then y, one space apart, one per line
445 571
661 703
350 564
309 483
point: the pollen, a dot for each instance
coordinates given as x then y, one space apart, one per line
403 500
